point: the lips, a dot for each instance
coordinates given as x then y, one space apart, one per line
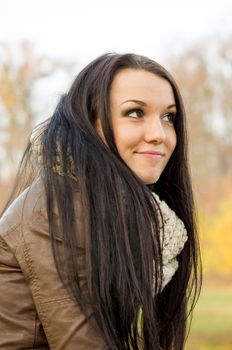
155 153
152 154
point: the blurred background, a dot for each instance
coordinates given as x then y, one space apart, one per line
44 44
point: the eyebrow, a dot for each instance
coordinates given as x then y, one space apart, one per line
135 101
143 103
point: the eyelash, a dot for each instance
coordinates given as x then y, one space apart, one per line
171 116
137 110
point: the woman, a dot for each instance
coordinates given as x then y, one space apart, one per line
99 249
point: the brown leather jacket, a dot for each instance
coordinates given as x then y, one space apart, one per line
36 311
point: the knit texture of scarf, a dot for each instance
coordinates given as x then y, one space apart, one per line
174 233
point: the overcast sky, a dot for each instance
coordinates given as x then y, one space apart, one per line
82 30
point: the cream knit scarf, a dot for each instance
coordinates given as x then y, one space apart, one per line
175 234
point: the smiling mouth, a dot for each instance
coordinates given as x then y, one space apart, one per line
152 155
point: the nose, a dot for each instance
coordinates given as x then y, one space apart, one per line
154 131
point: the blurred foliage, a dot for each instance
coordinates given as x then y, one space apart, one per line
216 238
204 74
20 71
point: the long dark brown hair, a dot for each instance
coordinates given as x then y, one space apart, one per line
119 215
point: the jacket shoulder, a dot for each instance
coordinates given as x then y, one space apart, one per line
23 208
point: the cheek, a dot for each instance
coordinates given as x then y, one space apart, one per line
126 137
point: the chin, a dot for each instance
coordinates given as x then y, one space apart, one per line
150 180
149 177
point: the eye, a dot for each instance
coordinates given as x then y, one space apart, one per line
169 117
135 113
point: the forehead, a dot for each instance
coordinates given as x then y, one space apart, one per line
140 84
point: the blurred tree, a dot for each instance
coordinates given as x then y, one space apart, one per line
224 94
18 76
204 73
192 75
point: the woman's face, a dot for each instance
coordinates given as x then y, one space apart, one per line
143 111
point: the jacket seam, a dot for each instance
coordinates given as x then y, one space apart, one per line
6 233
34 342
57 300
35 287
3 243
13 228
